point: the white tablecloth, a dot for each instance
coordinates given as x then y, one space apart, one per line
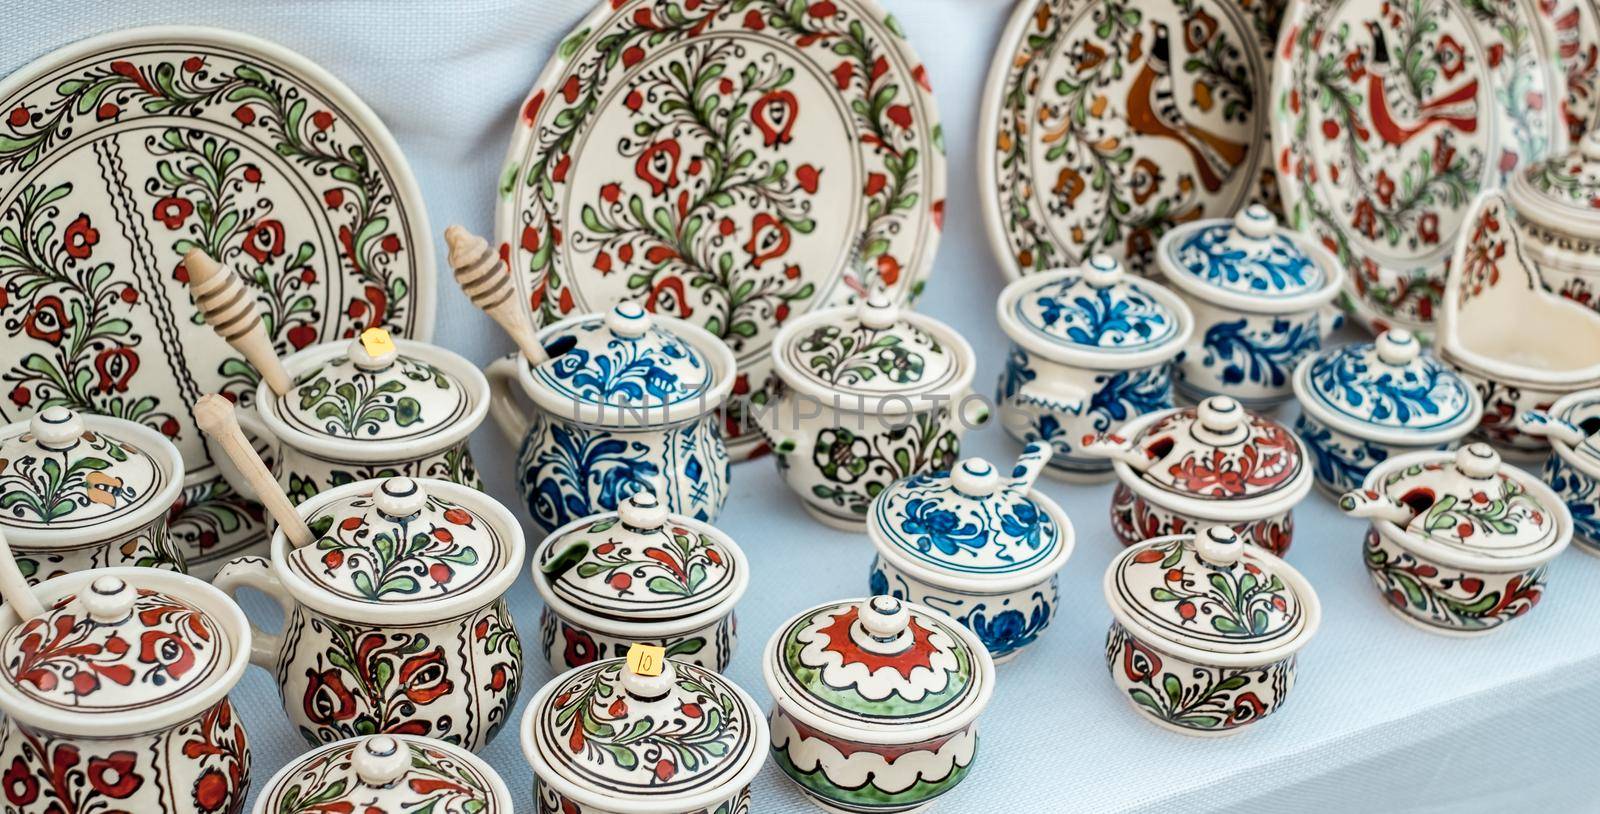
1384 716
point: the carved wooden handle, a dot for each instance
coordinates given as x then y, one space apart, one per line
214 415
14 586
230 310
488 284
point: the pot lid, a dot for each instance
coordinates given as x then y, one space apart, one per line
880 663
641 562
374 392
393 543
1562 186
60 470
1388 384
871 350
624 357
115 648
1211 592
1248 254
396 773
1098 306
616 733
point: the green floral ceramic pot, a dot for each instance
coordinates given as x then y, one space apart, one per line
387 773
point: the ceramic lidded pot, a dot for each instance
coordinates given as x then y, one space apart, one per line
607 739
1260 295
626 396
395 615
872 394
387 773
1091 347
1205 629
875 703
87 491
1556 204
639 575
1459 541
980 547
1363 403
116 698
1213 463
1572 425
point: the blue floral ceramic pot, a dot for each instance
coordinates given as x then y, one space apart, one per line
982 548
1091 347
1572 426
1260 295
625 398
1362 404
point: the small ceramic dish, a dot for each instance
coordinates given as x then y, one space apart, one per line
982 548
1091 347
1572 426
1260 296
1556 208
1215 463
875 703
1361 404
605 739
386 773
639 575
1205 630
872 394
87 491
1459 541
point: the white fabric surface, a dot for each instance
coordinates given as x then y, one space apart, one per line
1384 716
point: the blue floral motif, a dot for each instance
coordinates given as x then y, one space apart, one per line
1340 466
1272 266
878 582
1420 396
631 371
933 527
1129 393
1119 317
1262 357
1581 493
1027 524
1006 631
1018 372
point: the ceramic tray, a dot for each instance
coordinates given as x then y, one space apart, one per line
120 153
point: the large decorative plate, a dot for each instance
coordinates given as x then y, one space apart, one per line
1575 34
1105 122
1390 116
120 153
734 163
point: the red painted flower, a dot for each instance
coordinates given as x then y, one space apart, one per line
327 701
322 120
113 775
458 516
769 238
809 177
22 787
244 114
1139 662
21 396
658 166
1384 185
264 241
665 769
193 64
168 651
900 115
580 649
172 211
440 573
774 115
80 237
424 677
752 20
20 116
1452 56
1428 227
620 582
46 321
115 366
1246 707
213 790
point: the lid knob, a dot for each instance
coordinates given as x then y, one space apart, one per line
381 760
1255 221
884 618
975 477
109 600
1398 346
643 510
1221 414
1590 147
1218 545
1478 461
628 319
1102 271
373 350
399 497
877 311
650 684
56 427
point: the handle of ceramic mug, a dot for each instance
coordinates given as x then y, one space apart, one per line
508 412
256 572
265 445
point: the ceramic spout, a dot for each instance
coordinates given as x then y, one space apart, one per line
1117 448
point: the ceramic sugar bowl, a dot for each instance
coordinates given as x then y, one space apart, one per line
1556 203
1205 629
115 698
981 547
395 615
626 396
394 774
1363 403
619 737
87 491
875 703
1572 425
639 574
1214 463
1260 295
872 394
1091 347
1459 541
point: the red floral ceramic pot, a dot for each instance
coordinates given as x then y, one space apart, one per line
393 774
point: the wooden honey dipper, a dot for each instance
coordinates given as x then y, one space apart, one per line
487 282
230 310
214 415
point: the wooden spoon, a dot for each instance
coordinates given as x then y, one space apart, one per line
14 586
230 310
487 282
214 415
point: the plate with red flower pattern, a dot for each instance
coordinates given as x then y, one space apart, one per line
734 163
120 153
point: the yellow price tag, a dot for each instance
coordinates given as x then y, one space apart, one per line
377 342
647 660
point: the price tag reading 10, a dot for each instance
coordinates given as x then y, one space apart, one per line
646 660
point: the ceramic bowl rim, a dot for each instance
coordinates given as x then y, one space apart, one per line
950 393
497 784
1386 436
980 585
1332 270
1078 356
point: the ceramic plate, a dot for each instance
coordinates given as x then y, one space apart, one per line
735 163
1575 30
118 154
1107 121
1390 116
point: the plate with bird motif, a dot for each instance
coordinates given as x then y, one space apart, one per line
120 153
734 163
1105 122
1390 116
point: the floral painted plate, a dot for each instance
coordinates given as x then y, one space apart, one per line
734 163
1105 122
1575 33
120 153
1390 116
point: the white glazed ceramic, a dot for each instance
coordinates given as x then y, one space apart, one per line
1459 541
875 703
386 774
639 575
116 699
1205 630
872 393
1091 347
395 616
1363 403
1260 296
980 547
1556 206
604 739
1573 471
87 491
